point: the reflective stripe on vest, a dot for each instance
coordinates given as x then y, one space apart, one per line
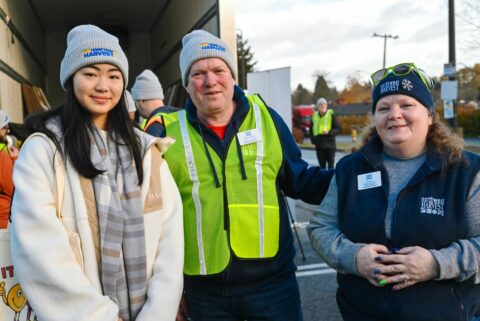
321 123
192 170
253 212
167 118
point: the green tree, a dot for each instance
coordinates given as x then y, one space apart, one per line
322 87
245 60
301 96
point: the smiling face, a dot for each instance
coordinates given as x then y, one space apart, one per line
211 86
402 124
98 88
16 299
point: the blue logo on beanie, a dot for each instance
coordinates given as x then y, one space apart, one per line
211 46
93 52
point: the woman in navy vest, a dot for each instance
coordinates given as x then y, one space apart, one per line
401 219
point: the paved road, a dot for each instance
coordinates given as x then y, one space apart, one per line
316 280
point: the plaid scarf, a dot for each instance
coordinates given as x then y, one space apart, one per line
122 231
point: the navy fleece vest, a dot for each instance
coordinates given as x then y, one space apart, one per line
429 212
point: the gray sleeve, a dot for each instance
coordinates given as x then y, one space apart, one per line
461 259
327 239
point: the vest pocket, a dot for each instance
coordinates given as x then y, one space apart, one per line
254 233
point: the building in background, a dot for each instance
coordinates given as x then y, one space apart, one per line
33 33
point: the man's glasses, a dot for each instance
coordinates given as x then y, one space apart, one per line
402 70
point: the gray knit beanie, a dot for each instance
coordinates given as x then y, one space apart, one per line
88 45
147 86
130 102
4 120
199 44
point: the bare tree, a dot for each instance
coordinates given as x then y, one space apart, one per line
470 16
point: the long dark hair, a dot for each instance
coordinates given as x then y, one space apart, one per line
76 123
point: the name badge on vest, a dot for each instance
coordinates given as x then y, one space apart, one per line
369 180
248 137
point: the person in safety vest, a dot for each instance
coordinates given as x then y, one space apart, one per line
233 159
148 95
8 155
323 131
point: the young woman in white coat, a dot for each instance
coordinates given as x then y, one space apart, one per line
96 219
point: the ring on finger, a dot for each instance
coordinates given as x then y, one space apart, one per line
403 277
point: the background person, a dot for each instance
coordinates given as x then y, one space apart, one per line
232 160
401 219
132 108
323 131
117 250
148 95
8 155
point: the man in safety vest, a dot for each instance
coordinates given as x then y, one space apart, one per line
323 130
148 95
232 160
8 155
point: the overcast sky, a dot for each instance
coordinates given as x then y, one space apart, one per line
335 36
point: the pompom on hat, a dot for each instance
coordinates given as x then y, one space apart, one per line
88 45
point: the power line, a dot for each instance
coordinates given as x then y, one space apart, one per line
385 36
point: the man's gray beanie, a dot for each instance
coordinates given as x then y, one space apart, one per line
88 45
147 86
130 102
199 44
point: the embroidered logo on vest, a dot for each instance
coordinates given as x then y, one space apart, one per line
433 206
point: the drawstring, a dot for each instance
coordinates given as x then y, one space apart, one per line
210 161
240 155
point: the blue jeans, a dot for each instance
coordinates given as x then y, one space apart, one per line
275 302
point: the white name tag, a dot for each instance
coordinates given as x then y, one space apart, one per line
369 180
247 137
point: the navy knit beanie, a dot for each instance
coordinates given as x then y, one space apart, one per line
410 84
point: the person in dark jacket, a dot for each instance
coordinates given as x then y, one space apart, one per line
148 95
323 131
401 219
233 160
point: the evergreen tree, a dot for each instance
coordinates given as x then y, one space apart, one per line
301 96
245 60
322 88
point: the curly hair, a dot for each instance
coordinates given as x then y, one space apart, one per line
440 139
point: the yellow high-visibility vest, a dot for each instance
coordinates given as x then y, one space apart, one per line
241 216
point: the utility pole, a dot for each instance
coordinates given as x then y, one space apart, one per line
452 122
385 36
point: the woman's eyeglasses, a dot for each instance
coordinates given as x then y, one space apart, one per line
402 70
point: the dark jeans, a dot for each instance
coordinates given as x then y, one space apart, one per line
325 156
275 302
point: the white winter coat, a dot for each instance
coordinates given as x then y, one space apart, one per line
56 260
